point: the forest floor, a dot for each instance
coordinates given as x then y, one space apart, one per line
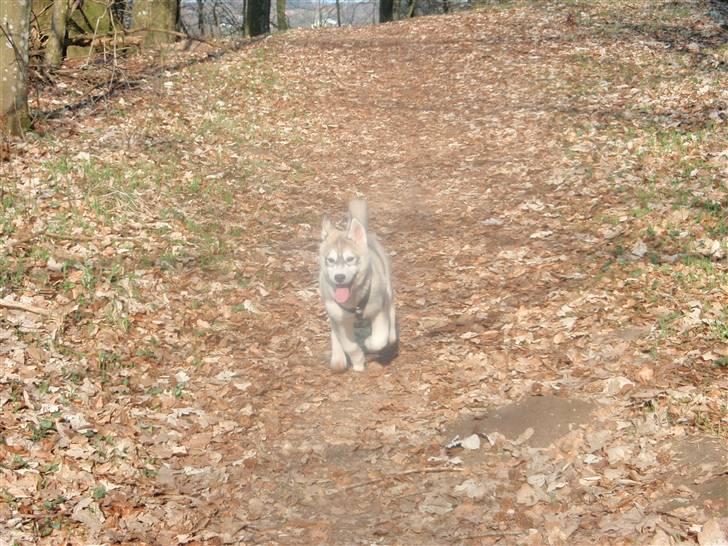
550 180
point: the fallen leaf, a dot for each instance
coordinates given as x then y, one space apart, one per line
714 532
472 442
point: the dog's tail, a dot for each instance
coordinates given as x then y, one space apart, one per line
358 210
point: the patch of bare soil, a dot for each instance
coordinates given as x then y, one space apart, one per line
561 376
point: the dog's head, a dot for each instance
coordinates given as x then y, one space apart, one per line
344 258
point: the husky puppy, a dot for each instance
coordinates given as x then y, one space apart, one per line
356 288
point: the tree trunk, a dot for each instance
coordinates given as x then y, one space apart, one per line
412 6
338 13
257 17
119 13
200 17
386 10
216 18
281 15
14 31
159 16
55 47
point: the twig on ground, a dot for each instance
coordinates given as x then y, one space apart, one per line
492 534
395 475
24 307
67 237
675 516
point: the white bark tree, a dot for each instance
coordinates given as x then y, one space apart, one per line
14 33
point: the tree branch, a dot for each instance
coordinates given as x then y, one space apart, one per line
113 38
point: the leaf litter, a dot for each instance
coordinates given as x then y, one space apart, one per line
550 179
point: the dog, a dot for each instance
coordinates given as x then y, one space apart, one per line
355 281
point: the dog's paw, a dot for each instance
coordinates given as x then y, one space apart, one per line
338 366
375 343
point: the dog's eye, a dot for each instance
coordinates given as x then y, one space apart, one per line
350 259
330 261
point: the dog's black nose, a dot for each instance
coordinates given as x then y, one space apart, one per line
339 278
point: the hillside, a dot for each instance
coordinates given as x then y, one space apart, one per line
550 179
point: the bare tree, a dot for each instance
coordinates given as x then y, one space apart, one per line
55 47
257 17
386 10
120 12
158 17
281 15
215 16
14 31
411 8
201 17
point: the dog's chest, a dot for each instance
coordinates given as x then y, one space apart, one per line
336 312
362 329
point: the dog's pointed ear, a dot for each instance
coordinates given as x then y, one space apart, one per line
357 232
325 228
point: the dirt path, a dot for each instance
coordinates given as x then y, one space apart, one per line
498 154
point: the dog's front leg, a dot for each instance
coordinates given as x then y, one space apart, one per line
344 331
379 337
392 324
338 356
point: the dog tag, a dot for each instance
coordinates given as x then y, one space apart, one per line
362 330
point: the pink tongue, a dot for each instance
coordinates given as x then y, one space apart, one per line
342 293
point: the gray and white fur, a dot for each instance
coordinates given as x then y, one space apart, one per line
356 285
